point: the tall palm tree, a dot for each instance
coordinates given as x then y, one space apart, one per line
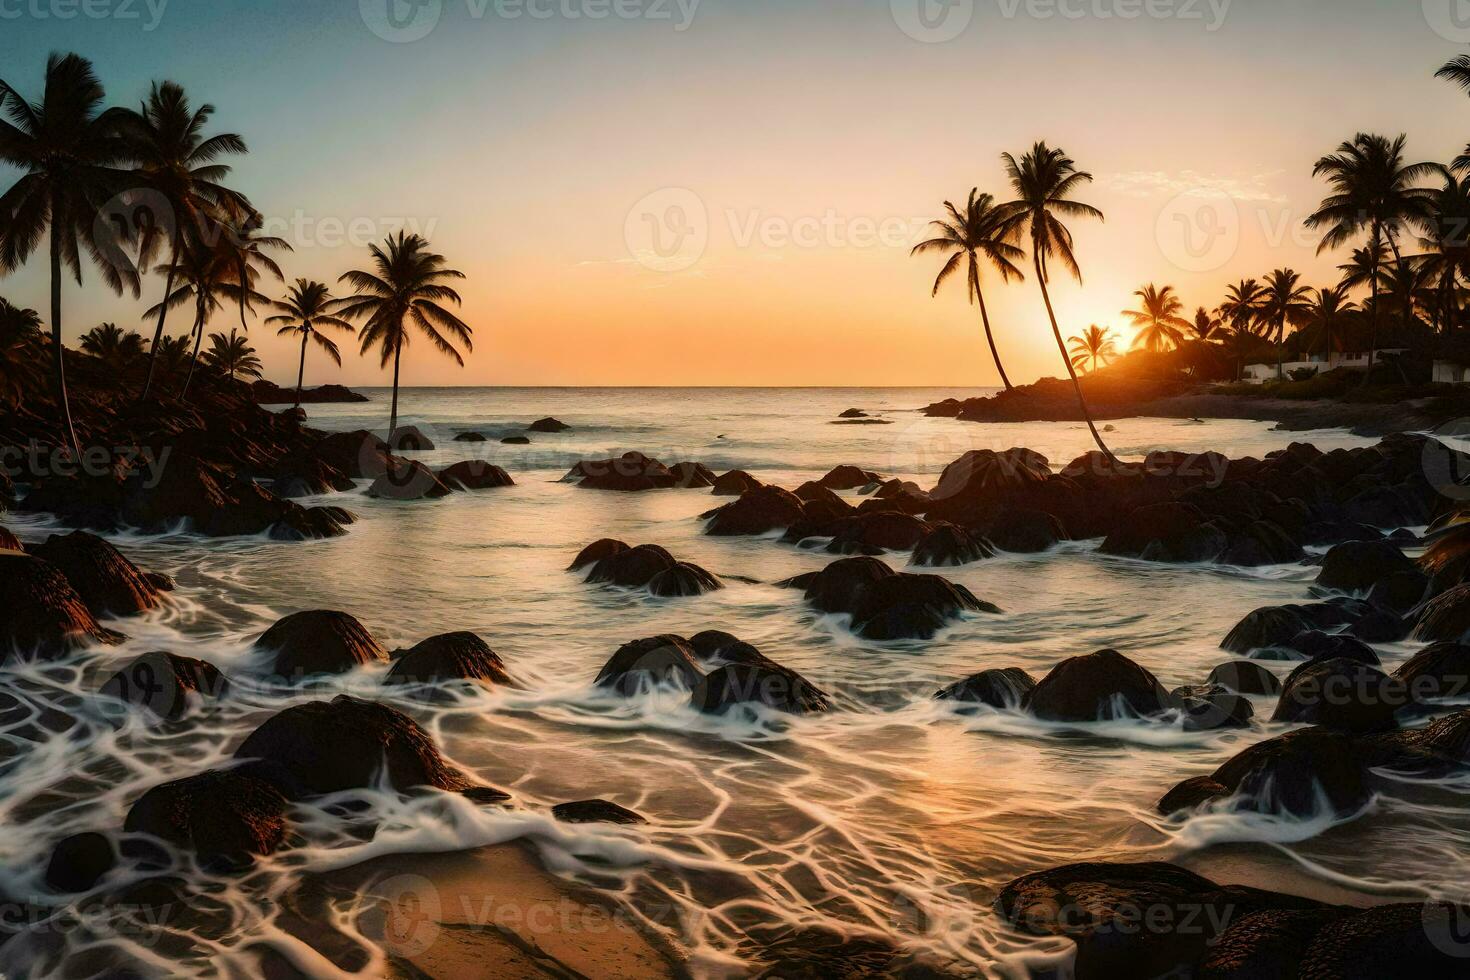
233 355
71 155
1159 324
1446 245
1373 191
980 235
173 355
177 164
1327 314
112 344
306 309
20 330
1285 301
1241 307
405 287
1044 180
1095 347
1208 327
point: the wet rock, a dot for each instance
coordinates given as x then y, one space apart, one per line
1002 689
596 552
1168 532
9 542
360 454
227 817
652 662
1359 565
1215 710
166 683
1272 626
1342 694
632 569
882 531
980 484
409 481
683 580
911 607
848 478
44 616
1295 774
735 483
319 642
853 413
469 437
1440 671
347 743
629 473
692 476
758 511
595 811
548 425
450 657
951 546
308 476
409 438
1098 687
1399 592
1261 543
475 475
1447 561
1410 940
711 644
107 582
812 490
1317 645
1245 677
80 861
1445 618
1380 626
1026 532
767 684
515 441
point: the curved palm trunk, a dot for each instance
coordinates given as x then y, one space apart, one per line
301 368
63 404
1281 349
1373 298
1057 333
194 361
168 290
985 319
393 417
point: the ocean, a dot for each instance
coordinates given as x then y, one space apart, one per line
893 815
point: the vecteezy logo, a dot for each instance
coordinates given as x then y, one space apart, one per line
1450 19
1447 924
401 21
412 912
933 21
668 230
1199 231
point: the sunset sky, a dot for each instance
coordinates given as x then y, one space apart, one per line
816 138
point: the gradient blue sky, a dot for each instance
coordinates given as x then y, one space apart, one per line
521 146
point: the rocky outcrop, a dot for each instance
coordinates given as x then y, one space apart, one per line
347 743
1446 617
166 684
849 478
1343 694
1099 687
359 454
548 425
1169 532
269 393
1026 532
226 817
319 642
8 541
981 484
683 580
108 583
449 657
758 511
596 552
305 475
652 662
767 684
475 474
636 473
1295 774
884 604
1357 566
405 480
1002 689
1440 671
735 483
409 438
44 616
1245 677
951 546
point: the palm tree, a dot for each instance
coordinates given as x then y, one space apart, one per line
1446 248
113 345
19 331
173 355
982 234
1044 180
1327 314
1241 309
1372 190
1160 327
232 355
406 285
1207 327
1457 71
1094 347
305 310
1285 301
70 153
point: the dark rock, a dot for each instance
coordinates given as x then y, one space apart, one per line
812 490
1098 687
651 662
980 484
1216 710
1446 617
9 542
853 413
1261 543
632 569
1292 774
1341 694
515 441
910 607
1245 677
1412 940
596 552
1440 671
319 642
951 546
450 657
227 817
165 683
758 511
359 454
409 481
44 616
306 475
469 437
107 582
548 426
408 438
735 483
849 478
883 531
346 743
475 475
595 811
1003 689
1359 565
839 587
1272 626
629 473
711 644
1168 532
1026 532
683 580
1316 645
1265 945
80 861
767 684
692 476
1380 626
1399 592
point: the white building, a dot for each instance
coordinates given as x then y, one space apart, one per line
1451 373
1259 374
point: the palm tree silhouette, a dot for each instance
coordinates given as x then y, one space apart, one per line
233 355
1094 347
20 330
981 234
1285 301
112 344
1043 180
406 285
71 154
1241 309
1327 314
178 163
1446 245
1160 326
306 309
1372 190
1207 327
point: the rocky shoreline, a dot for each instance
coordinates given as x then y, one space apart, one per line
270 393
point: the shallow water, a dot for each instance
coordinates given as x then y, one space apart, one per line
892 815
